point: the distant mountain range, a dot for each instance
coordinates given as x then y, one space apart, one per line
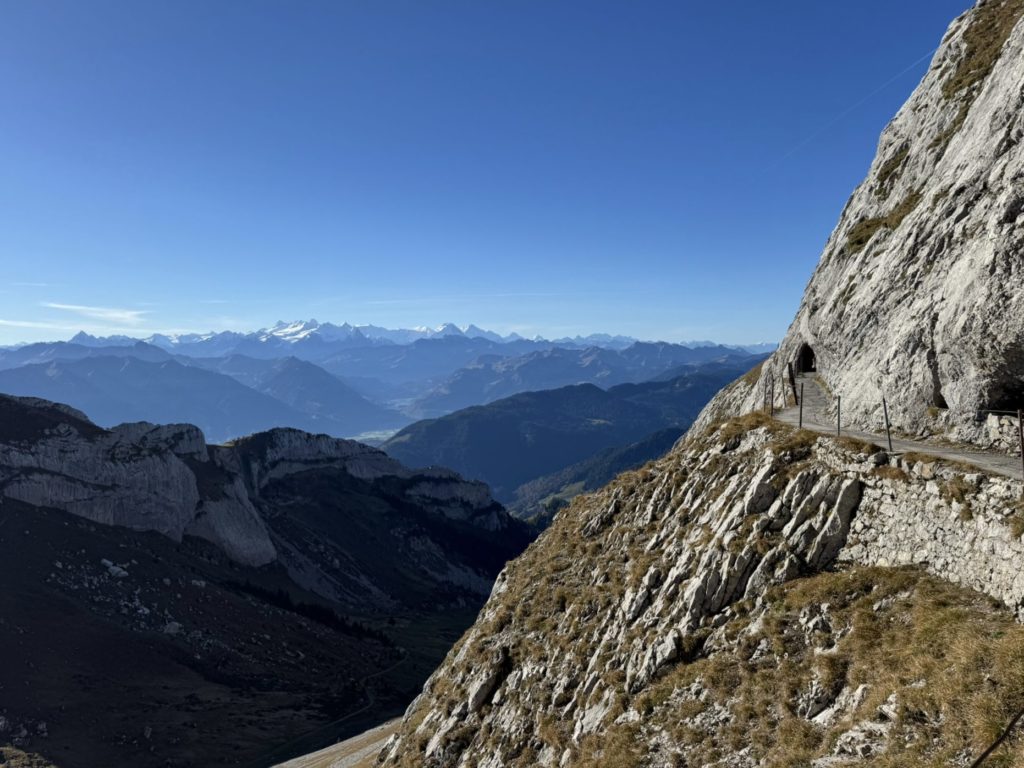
343 380
513 442
114 389
313 333
491 377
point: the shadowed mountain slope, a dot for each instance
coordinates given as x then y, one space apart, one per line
516 440
224 599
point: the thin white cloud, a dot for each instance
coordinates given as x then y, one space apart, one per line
106 314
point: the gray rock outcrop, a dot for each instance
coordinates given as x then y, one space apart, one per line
139 476
167 479
919 293
637 579
673 573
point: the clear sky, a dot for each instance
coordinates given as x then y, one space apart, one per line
666 169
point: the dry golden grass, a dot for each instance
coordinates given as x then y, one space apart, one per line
561 590
862 232
796 443
738 427
855 445
913 457
955 662
889 171
751 377
983 42
12 757
888 472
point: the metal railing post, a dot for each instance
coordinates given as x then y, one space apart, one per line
839 411
888 433
801 404
1020 434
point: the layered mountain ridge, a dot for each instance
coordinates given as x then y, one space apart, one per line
522 438
230 604
365 391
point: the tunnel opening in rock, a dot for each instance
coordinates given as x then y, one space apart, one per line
1005 397
806 361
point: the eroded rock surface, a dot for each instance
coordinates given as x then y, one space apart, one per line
919 293
633 582
314 503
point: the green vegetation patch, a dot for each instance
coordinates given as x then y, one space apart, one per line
983 41
889 172
862 232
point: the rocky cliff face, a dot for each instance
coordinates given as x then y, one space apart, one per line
918 296
253 499
140 476
621 607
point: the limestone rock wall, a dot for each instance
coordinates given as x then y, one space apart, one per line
919 293
140 476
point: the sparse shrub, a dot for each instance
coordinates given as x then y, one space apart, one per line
889 172
853 445
862 232
798 442
888 472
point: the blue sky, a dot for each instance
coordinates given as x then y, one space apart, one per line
661 169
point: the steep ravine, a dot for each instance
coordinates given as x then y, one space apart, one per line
606 642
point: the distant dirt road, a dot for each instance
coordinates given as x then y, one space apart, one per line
357 752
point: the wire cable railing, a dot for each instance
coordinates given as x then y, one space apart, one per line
795 391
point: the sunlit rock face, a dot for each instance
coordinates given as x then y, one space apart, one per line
647 582
919 294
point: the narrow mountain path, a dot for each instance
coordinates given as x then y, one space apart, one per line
357 752
817 419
